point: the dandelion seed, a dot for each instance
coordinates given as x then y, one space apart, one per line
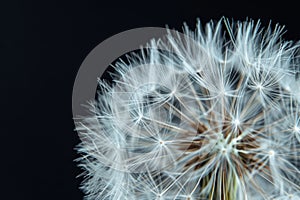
208 118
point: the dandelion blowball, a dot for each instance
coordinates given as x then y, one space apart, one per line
215 115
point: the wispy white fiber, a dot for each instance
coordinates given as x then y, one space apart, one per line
215 115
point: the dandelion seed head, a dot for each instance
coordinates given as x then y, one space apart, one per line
207 117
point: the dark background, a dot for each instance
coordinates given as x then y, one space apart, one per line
42 46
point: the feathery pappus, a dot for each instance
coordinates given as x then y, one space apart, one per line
213 115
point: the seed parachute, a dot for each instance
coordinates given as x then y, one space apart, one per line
212 115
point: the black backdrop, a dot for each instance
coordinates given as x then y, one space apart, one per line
42 45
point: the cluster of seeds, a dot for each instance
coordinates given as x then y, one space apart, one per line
205 118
